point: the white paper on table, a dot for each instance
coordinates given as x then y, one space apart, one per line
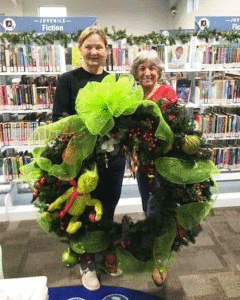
28 288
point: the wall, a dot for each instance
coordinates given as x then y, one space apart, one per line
206 8
8 8
137 16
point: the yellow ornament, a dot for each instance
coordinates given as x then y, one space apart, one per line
191 144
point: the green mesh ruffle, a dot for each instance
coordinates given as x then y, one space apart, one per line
97 104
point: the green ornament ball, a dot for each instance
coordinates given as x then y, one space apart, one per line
69 259
191 144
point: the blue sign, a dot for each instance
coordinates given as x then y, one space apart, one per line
115 297
218 23
46 24
104 293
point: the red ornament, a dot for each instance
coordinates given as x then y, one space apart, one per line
92 217
171 117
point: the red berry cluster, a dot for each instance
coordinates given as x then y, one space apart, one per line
146 136
37 187
150 170
179 192
65 138
126 243
198 188
168 103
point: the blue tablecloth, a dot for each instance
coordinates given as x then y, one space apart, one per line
104 293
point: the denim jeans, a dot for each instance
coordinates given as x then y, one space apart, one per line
109 187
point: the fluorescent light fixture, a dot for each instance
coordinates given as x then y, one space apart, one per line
52 11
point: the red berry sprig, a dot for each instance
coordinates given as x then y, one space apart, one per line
37 187
146 136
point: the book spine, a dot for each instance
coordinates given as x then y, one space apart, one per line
1 135
7 58
21 62
3 58
57 58
50 62
5 169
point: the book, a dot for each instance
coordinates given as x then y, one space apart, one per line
109 62
7 58
183 90
3 66
20 59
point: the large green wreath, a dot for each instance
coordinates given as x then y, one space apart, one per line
112 117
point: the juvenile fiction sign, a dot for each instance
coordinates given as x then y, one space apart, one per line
219 23
45 25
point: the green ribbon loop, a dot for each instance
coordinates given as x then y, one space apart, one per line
162 248
91 242
190 215
181 171
129 264
98 102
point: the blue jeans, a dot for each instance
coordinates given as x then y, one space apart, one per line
145 190
109 187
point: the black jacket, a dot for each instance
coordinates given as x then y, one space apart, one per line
68 86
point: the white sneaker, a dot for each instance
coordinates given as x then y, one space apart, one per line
89 276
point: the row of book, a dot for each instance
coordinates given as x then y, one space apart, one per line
218 91
219 54
12 165
19 96
120 55
203 56
226 157
31 58
20 133
215 125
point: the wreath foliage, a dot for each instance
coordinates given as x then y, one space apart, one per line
159 138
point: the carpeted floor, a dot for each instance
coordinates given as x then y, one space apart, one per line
207 270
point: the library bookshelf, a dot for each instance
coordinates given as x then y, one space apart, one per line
25 105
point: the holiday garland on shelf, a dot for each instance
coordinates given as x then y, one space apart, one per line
152 38
112 117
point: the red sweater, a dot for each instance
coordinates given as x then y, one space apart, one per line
164 91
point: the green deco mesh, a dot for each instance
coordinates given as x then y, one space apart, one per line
97 104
